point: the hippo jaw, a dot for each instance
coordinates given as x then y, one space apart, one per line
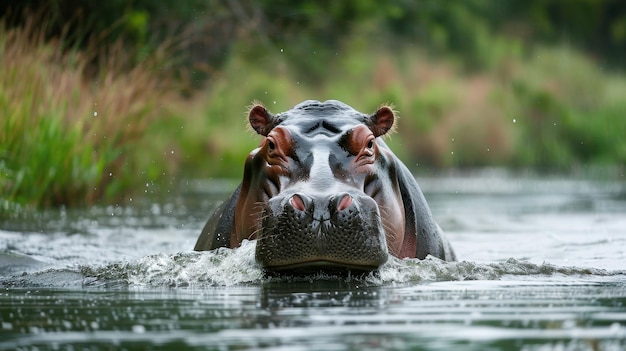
335 233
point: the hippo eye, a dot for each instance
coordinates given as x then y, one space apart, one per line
370 144
271 145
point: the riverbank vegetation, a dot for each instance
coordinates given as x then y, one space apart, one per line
67 136
98 111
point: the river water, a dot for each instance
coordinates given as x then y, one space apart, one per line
541 267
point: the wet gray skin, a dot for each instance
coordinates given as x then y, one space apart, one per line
323 191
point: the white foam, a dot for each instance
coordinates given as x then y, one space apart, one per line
220 267
227 267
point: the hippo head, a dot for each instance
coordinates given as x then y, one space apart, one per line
320 192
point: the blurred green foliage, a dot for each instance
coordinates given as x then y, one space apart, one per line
571 111
314 31
519 83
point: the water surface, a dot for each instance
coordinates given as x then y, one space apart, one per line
541 267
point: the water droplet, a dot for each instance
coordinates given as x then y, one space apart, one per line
281 50
514 120
451 152
95 114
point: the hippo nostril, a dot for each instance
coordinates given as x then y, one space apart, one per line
298 203
344 203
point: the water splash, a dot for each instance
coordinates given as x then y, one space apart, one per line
220 267
228 267
433 269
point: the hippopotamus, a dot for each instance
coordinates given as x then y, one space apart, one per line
323 191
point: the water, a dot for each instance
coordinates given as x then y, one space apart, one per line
541 268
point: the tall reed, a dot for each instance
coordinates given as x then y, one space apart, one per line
70 121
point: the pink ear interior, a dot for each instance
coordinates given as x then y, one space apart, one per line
382 121
260 119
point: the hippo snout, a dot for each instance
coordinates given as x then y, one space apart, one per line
321 231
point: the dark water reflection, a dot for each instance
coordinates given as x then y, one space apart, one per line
320 315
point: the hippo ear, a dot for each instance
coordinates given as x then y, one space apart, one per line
381 121
261 120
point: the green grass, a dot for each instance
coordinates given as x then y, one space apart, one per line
68 138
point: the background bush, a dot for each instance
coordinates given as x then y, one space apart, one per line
102 100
